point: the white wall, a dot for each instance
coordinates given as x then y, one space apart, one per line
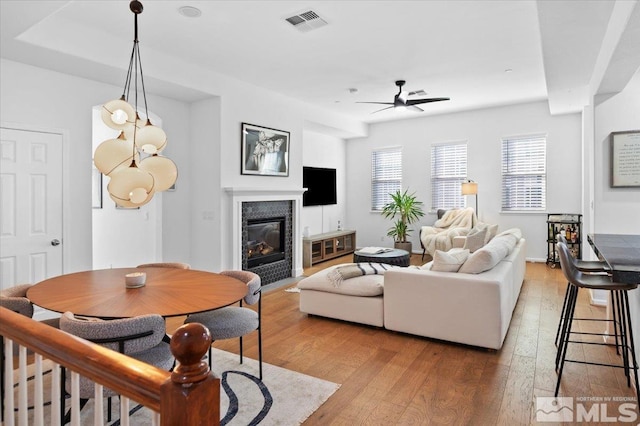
326 151
203 207
617 210
483 130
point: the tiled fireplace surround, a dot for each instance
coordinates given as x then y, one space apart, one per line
254 203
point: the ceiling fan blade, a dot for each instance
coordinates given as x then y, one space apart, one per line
378 103
425 101
414 108
383 109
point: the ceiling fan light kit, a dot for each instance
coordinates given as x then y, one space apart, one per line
133 182
401 101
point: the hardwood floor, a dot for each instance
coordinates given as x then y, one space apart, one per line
393 378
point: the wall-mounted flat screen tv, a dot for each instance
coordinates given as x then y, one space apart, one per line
321 186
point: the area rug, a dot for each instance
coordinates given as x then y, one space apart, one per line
283 397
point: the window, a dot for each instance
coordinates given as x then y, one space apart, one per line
448 171
386 176
524 178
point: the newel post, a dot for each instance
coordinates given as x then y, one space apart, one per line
192 395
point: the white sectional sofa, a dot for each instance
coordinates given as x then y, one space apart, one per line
469 308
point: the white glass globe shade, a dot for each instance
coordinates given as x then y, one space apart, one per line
151 139
131 187
129 131
163 169
129 204
118 114
113 155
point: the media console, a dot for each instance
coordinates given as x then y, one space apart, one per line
321 247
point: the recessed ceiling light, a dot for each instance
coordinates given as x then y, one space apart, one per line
508 70
190 11
353 90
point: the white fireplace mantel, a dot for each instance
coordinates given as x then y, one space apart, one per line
241 195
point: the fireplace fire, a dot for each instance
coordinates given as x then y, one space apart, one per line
265 242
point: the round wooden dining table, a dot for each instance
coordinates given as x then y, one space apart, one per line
168 292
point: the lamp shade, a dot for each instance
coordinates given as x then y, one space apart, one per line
469 188
132 131
131 187
163 169
113 155
150 139
118 114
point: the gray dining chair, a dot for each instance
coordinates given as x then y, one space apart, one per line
178 265
15 299
140 337
236 321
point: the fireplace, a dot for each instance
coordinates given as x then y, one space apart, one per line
265 241
251 204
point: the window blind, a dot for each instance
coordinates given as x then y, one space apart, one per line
524 174
448 171
386 176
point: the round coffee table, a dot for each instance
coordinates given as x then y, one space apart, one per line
395 257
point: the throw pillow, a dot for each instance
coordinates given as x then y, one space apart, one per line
488 256
449 261
475 239
492 230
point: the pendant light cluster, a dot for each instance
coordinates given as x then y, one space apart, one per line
132 160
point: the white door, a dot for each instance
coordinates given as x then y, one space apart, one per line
30 206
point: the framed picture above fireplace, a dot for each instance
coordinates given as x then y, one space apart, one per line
265 151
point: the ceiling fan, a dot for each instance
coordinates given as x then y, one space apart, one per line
400 100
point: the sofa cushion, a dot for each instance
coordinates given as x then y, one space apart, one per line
475 238
488 256
515 232
449 261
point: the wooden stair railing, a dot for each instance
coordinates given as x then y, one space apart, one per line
188 396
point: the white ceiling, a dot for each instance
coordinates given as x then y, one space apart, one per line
556 50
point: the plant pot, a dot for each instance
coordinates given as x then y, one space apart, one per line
403 246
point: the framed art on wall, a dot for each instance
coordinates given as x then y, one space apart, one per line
265 151
625 159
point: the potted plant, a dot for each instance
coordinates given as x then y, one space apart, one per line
408 210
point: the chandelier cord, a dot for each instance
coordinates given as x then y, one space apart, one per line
127 81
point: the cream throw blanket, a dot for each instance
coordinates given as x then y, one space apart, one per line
454 223
352 270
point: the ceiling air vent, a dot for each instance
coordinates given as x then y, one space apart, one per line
306 21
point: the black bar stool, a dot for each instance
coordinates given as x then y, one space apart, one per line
589 266
577 280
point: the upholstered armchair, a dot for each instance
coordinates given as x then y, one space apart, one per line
450 224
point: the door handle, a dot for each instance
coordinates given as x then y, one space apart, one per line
55 242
